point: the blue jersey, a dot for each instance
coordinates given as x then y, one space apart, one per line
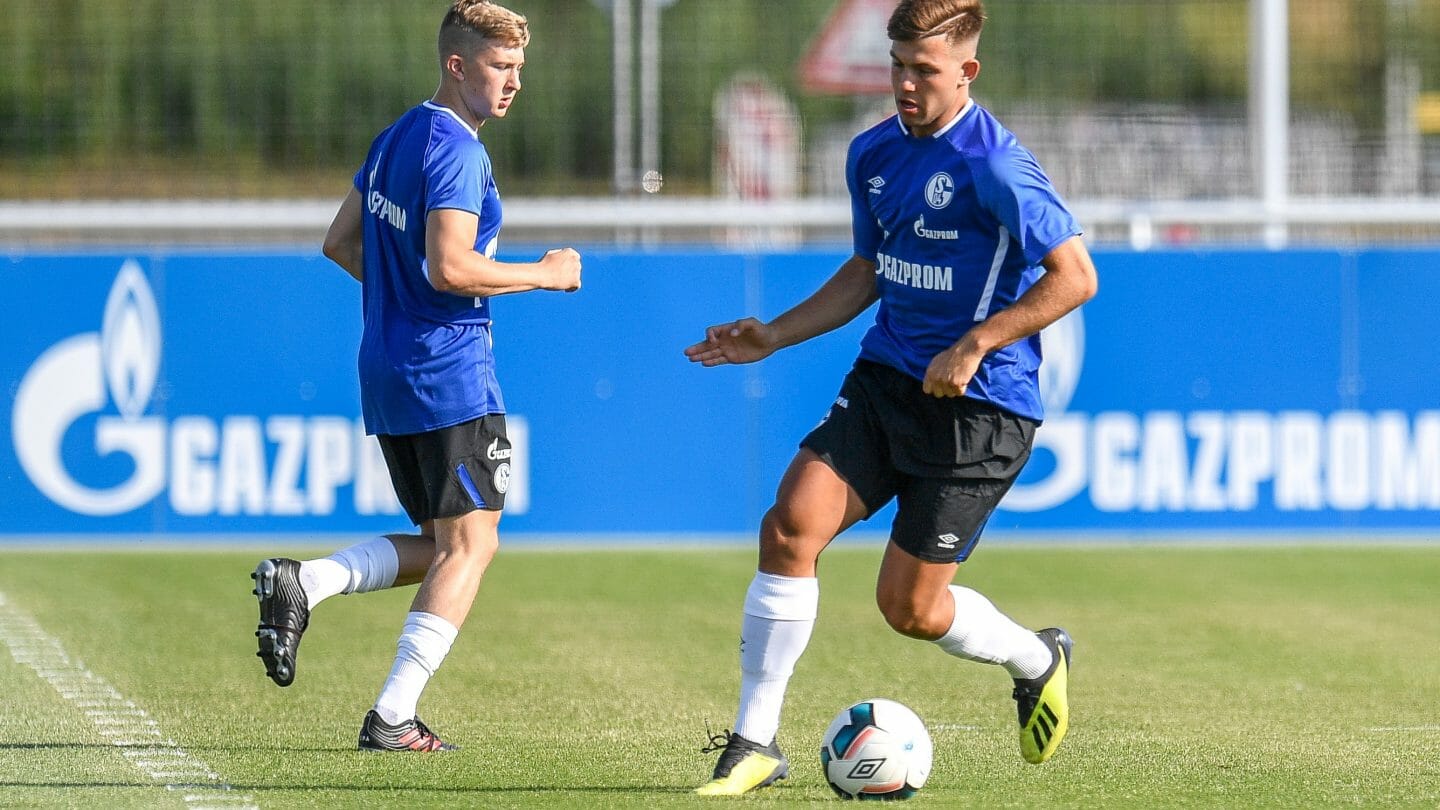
956 224
425 356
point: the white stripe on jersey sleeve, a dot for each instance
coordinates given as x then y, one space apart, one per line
982 310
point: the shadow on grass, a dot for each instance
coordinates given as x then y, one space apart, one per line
72 785
41 746
50 746
353 788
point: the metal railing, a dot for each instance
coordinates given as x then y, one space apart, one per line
658 220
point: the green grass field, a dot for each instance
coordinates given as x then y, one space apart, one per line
1205 676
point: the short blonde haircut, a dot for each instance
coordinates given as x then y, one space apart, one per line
471 23
958 20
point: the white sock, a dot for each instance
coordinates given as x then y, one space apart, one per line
982 633
779 615
361 568
424 643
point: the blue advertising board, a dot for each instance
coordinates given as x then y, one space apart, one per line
209 392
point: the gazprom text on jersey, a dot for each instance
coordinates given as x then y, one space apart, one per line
914 274
381 207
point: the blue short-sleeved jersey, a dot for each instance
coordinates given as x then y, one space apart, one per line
425 356
956 224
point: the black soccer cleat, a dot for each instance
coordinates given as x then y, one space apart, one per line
743 765
1044 702
411 735
284 615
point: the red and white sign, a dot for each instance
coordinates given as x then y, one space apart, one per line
757 141
852 53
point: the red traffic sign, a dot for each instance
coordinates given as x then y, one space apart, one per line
852 52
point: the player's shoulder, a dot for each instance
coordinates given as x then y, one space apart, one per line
449 137
877 136
991 148
983 135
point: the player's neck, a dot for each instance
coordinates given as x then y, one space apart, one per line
944 122
449 96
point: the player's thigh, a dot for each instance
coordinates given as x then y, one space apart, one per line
964 456
939 520
853 442
475 534
814 499
914 594
812 506
405 476
448 472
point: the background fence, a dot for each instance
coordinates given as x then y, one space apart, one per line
1126 103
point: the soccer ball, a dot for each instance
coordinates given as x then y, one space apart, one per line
876 749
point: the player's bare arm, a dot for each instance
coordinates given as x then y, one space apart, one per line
345 240
847 294
456 267
1069 281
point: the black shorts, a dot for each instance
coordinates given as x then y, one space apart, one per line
448 472
947 461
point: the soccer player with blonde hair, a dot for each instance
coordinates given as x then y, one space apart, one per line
419 231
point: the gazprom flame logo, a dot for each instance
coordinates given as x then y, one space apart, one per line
85 374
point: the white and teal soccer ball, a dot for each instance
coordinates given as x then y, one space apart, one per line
876 749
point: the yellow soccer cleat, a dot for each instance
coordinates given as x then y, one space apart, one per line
743 765
1043 703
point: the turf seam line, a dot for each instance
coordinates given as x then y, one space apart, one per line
117 719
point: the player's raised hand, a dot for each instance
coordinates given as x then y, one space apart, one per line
562 266
950 371
742 341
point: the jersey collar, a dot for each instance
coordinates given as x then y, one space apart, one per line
969 104
430 105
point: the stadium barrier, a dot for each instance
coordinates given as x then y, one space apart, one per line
203 392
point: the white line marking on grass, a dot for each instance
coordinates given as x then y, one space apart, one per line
1405 728
117 719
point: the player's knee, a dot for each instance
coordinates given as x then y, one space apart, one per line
782 537
469 537
480 544
908 618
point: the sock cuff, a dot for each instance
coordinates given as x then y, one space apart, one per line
420 622
968 604
772 596
373 564
425 641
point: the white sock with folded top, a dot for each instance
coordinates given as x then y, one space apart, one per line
779 617
982 633
424 642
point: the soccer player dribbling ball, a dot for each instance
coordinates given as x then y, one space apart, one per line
419 231
953 221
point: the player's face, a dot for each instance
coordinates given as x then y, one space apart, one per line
492 78
930 79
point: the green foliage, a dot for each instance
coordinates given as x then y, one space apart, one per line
284 92
1280 676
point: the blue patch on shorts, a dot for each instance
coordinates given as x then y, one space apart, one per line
469 483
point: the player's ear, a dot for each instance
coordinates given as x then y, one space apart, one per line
455 67
969 70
